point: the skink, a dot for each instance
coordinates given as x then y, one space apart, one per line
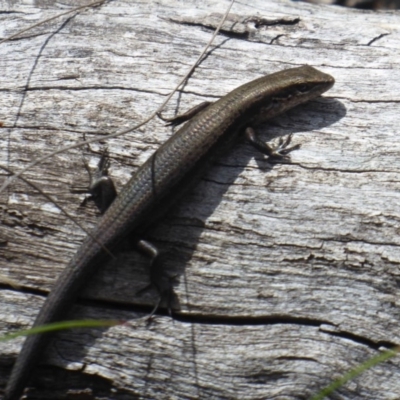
168 173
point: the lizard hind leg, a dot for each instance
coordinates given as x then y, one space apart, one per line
158 279
102 189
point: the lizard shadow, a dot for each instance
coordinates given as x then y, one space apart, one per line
177 235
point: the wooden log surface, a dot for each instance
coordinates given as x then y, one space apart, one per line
286 275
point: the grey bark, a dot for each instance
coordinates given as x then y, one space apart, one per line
287 275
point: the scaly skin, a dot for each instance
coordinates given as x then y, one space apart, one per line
175 165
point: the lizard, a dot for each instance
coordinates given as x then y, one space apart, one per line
171 170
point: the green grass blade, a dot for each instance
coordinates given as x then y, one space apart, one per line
62 325
358 370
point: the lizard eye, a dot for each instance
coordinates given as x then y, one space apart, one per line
303 88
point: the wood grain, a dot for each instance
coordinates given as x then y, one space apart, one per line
287 275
